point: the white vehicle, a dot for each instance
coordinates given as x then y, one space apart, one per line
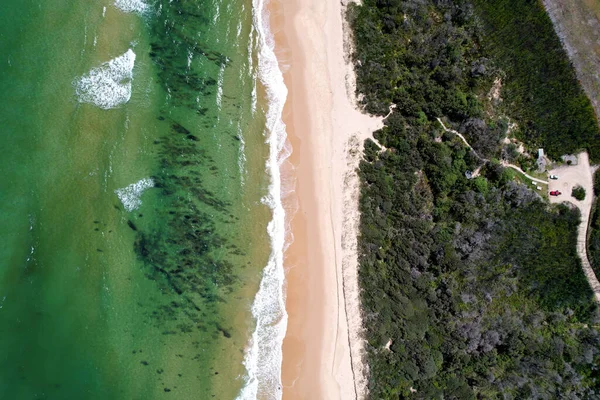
553 177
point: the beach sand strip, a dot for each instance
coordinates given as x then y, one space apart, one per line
323 349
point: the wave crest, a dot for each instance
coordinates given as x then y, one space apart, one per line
131 5
264 354
108 85
130 195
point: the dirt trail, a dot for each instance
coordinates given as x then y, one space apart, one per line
581 174
504 163
462 138
569 176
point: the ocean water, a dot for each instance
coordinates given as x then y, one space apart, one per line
141 221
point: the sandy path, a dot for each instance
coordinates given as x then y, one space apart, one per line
322 351
569 176
462 138
504 163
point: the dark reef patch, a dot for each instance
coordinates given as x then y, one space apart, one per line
182 250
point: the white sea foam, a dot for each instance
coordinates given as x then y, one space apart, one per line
216 16
251 67
84 40
130 195
108 85
220 86
239 31
190 57
131 5
242 154
263 356
31 254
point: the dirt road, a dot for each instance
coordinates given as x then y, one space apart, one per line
505 164
569 176
577 24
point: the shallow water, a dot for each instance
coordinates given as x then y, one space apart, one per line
133 168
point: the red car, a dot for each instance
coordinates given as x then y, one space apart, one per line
555 193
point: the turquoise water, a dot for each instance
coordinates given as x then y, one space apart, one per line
109 290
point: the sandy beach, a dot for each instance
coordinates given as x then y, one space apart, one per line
322 351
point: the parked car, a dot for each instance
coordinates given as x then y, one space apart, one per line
555 193
553 176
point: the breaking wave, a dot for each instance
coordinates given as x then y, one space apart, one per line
108 85
130 195
131 5
264 353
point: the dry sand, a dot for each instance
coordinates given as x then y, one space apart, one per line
322 351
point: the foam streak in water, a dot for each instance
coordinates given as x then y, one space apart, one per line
264 355
251 68
220 86
130 195
108 85
131 5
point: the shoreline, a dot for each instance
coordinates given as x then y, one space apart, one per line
322 349
263 354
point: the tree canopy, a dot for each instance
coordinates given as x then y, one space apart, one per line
472 276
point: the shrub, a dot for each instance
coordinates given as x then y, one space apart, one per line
476 281
578 192
540 88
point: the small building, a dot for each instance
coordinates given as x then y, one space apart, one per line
541 161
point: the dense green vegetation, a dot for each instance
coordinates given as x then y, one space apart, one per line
578 192
476 282
540 87
594 238
507 39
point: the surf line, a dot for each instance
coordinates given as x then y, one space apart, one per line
264 353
